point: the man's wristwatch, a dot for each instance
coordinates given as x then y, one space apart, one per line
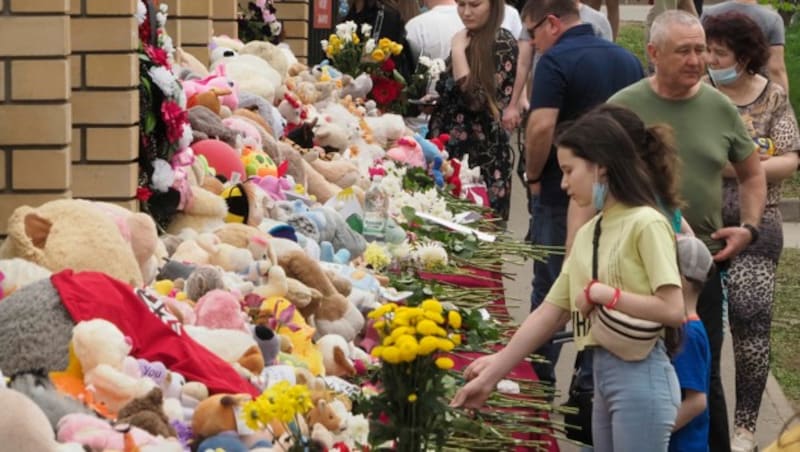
753 232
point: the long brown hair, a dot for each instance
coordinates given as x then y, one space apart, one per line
406 8
480 56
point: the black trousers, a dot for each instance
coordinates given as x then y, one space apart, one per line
709 308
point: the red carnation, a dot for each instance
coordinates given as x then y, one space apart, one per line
175 117
157 55
143 193
388 66
385 90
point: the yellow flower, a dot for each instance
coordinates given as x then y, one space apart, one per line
444 363
376 351
376 256
427 327
379 325
432 305
412 397
334 40
400 331
251 415
387 341
456 338
427 345
382 310
396 48
408 347
435 316
356 40
385 44
391 355
445 345
378 55
454 319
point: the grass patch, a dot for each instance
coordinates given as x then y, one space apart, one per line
792 58
631 36
786 326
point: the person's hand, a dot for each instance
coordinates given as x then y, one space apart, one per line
478 388
764 157
736 239
524 104
535 189
511 117
460 40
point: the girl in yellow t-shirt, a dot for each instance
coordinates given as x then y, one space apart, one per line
635 402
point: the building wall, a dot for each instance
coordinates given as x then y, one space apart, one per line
105 100
190 25
35 113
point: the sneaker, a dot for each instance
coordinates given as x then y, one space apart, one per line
743 441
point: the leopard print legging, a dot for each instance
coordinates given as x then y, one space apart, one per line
751 288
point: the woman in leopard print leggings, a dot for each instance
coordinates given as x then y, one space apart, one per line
734 40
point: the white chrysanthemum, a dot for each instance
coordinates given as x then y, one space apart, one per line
163 175
275 28
366 29
508 387
425 61
165 80
161 18
163 7
141 12
400 251
369 46
168 45
359 429
324 43
430 255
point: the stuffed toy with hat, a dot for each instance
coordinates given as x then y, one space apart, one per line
76 234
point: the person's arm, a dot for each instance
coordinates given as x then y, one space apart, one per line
665 306
511 114
776 67
458 55
538 141
484 373
414 38
752 198
692 406
780 167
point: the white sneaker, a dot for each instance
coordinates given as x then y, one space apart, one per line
743 441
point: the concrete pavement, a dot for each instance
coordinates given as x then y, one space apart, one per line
775 408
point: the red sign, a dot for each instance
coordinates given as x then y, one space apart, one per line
323 14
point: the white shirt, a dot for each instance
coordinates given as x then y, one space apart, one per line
512 22
431 32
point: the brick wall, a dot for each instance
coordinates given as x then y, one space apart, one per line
34 103
190 26
105 100
223 14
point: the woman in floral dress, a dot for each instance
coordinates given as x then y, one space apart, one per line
473 93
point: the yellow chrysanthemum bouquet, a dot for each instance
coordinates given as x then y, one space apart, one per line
412 407
278 409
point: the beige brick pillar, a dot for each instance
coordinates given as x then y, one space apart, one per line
294 16
105 100
34 103
224 15
189 25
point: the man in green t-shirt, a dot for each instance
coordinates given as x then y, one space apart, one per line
709 134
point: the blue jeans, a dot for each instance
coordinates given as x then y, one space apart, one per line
635 403
548 227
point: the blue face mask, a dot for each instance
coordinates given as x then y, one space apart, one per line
724 76
599 193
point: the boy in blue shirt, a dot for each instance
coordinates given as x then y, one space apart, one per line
692 363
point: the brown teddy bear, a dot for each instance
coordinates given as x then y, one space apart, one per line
147 413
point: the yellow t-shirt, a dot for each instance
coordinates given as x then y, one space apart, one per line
636 253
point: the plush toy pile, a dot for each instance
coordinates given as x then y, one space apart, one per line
126 336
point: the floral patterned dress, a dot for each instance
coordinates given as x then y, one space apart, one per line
473 130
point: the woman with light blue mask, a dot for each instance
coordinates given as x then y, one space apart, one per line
623 260
738 51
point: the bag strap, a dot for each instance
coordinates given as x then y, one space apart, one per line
596 246
376 28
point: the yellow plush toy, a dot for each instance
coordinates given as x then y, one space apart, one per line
283 317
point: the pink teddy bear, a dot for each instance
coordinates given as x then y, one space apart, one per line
216 80
407 151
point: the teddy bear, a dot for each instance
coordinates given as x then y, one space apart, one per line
358 87
216 414
17 272
216 82
204 211
408 152
98 434
147 413
37 321
271 54
235 347
335 355
71 233
265 110
38 387
206 124
25 426
251 74
220 309
223 46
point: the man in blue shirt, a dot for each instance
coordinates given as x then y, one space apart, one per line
577 71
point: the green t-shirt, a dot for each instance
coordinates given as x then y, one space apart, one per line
709 132
636 253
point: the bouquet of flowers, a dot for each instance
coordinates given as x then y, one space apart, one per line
412 408
165 133
350 55
425 76
278 409
258 22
